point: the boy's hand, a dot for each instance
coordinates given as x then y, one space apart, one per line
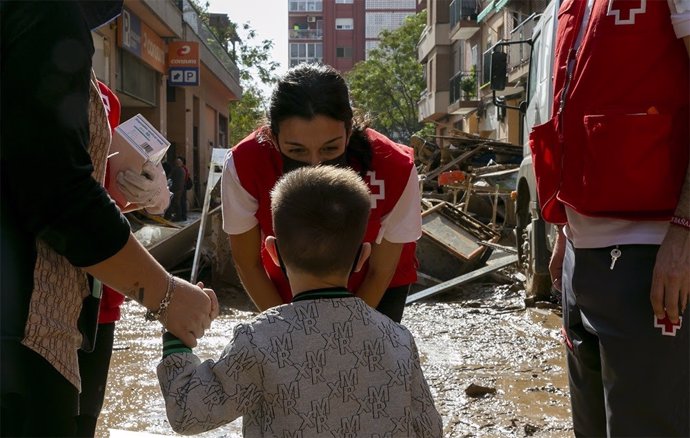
215 308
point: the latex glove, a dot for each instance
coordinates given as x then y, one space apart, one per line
148 189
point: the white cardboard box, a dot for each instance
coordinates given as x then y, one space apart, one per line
135 142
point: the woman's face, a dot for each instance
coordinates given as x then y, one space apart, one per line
312 141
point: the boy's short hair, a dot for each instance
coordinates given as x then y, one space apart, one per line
320 214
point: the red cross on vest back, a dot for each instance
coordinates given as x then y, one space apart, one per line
667 327
624 11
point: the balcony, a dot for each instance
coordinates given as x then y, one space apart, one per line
432 37
519 54
464 92
517 70
518 58
432 106
306 34
463 19
296 61
212 52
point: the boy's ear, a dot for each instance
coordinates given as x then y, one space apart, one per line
363 256
270 243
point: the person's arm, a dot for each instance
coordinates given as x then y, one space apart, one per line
203 396
383 261
671 280
403 224
246 253
134 272
240 223
557 256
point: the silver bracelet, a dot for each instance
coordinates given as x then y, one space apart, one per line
152 315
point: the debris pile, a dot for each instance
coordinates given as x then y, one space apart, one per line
467 207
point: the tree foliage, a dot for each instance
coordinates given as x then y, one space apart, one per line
257 73
388 85
257 68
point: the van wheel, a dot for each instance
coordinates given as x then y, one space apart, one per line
536 285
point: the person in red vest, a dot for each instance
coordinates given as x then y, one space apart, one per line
612 168
149 191
311 122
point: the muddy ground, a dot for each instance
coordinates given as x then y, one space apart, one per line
496 368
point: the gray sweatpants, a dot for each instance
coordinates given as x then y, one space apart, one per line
626 377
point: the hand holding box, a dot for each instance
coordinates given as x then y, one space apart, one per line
135 142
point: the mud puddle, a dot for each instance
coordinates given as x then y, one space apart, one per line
495 368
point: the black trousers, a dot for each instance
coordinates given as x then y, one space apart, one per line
36 401
392 303
627 377
93 368
178 206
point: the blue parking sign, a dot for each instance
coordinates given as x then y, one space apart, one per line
183 76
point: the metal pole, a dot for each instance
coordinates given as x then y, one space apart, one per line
214 173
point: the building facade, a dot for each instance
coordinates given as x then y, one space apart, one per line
455 50
340 33
188 105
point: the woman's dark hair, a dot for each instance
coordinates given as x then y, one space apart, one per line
308 90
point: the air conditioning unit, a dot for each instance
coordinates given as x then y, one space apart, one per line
311 19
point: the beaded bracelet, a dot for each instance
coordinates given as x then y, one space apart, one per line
152 315
681 221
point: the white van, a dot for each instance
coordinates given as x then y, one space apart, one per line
534 237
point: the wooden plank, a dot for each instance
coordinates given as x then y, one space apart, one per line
451 236
492 265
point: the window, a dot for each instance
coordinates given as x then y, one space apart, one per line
370 45
305 5
343 52
305 52
344 24
344 1
137 79
391 4
378 21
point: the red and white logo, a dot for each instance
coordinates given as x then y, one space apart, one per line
380 184
624 11
667 327
184 50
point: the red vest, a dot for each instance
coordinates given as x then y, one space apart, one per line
111 299
259 165
618 143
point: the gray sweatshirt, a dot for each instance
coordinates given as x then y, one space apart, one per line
325 367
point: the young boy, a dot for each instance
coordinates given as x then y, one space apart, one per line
324 365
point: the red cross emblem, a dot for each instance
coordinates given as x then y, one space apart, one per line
667 327
377 188
624 11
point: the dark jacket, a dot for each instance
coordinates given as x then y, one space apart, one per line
46 188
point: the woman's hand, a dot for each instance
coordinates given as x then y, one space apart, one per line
191 311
